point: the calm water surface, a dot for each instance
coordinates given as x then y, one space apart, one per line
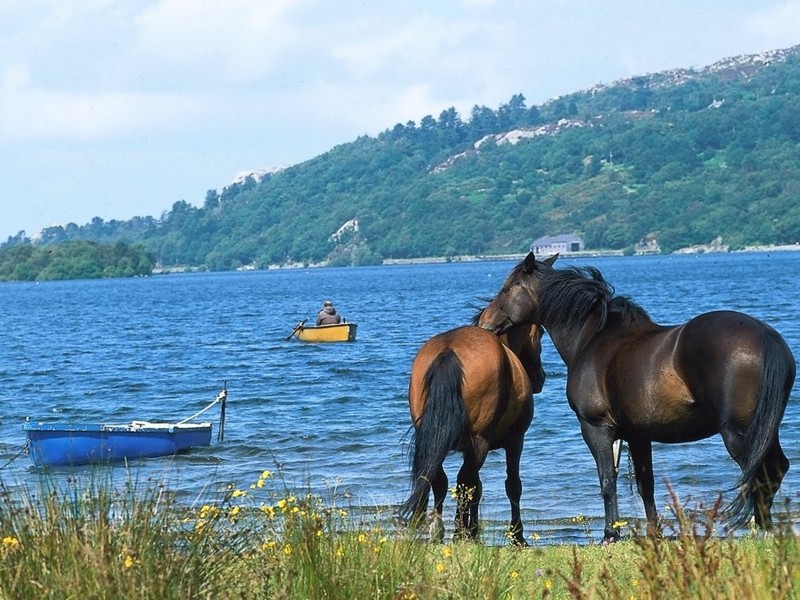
333 418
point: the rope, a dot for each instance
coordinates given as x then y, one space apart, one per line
220 398
17 455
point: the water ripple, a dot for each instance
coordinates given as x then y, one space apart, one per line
335 416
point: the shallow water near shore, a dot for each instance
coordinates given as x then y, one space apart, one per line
333 418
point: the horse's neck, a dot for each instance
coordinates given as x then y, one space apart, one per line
569 340
521 345
518 343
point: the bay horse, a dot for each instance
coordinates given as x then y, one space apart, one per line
629 378
470 391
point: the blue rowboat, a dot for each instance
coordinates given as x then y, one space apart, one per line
65 444
60 444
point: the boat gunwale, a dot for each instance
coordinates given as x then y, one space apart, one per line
132 427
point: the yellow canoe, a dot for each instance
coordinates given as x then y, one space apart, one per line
341 332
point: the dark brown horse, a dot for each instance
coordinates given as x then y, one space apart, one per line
631 379
470 392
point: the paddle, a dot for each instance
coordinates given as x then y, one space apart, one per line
296 329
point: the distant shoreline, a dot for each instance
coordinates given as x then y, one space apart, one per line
470 258
585 254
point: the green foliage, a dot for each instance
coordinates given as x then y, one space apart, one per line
73 260
684 157
92 540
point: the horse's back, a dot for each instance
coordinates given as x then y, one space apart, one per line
681 383
713 342
723 357
496 390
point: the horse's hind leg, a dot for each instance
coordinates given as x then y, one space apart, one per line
642 455
514 491
760 492
470 490
439 488
766 484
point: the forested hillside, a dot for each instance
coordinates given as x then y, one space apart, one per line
681 157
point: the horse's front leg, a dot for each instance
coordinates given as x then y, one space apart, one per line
642 455
514 492
600 440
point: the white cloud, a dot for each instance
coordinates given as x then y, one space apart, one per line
192 91
236 38
422 45
29 113
15 76
780 25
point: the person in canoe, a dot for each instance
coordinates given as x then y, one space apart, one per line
328 314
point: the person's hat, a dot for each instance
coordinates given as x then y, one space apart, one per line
328 303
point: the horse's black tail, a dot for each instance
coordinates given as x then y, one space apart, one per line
762 432
439 430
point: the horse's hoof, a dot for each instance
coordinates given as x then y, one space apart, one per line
436 528
608 540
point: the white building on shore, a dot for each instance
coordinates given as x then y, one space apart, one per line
558 244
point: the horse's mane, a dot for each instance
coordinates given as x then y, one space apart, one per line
476 318
569 295
516 272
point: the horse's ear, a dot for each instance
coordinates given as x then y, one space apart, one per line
529 265
549 261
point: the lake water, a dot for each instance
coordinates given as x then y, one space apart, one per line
334 418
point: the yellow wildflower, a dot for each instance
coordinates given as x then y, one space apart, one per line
579 519
440 567
10 542
209 512
447 551
239 493
129 562
265 474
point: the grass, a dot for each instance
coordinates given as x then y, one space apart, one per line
91 541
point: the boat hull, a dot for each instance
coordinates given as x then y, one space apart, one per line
58 444
340 332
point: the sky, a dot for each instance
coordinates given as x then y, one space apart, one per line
120 108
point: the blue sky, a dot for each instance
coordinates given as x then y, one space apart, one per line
119 108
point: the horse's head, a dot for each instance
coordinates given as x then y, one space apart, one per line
517 302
